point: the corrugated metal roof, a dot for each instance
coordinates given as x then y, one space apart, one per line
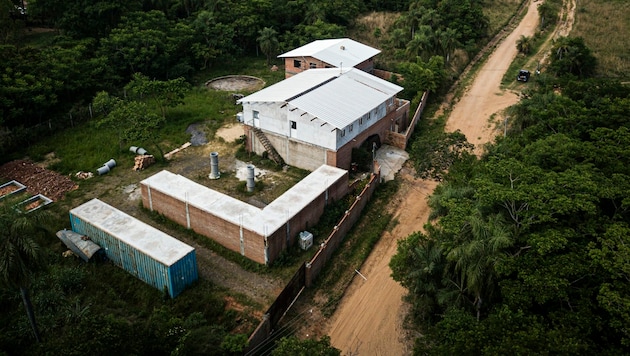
345 99
335 52
147 239
262 221
288 88
335 96
81 247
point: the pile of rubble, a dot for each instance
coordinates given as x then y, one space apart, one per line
38 180
143 161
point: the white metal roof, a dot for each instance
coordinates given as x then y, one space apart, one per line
261 221
338 52
145 238
338 97
345 99
290 87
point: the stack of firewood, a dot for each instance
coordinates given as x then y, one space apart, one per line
143 161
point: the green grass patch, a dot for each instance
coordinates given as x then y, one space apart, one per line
605 26
499 13
524 62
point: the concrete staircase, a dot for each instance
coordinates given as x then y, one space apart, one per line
271 151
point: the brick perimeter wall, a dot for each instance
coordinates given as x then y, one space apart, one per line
228 234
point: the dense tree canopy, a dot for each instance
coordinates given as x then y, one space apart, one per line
527 247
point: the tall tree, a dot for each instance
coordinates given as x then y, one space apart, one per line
447 40
20 254
570 55
268 42
164 94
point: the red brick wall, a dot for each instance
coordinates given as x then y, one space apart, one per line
332 242
229 234
290 70
343 157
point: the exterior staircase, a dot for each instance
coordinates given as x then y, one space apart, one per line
271 151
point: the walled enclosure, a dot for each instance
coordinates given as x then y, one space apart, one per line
258 234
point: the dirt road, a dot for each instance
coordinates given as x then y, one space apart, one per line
369 320
484 98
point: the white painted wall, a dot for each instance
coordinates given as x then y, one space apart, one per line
275 118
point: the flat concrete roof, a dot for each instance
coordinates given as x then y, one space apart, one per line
261 221
145 238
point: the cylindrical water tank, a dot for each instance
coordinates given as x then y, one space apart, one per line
214 166
133 149
111 163
102 170
250 178
141 151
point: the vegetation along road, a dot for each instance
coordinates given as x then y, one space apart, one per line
369 320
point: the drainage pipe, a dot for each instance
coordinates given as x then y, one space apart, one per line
214 166
250 178
111 163
103 170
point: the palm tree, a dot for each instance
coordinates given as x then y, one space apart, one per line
418 45
524 44
419 267
268 42
484 244
447 41
20 254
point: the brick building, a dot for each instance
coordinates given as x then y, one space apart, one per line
318 116
258 234
329 53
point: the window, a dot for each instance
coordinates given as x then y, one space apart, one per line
297 63
256 114
342 132
390 101
312 65
327 66
350 127
293 125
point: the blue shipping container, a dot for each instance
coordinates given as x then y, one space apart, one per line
154 257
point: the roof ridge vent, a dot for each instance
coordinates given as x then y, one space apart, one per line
311 89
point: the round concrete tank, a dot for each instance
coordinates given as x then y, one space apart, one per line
111 163
214 166
103 170
141 151
250 178
133 149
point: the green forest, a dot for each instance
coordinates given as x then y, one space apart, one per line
526 251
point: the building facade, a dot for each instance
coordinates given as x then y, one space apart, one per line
316 117
330 53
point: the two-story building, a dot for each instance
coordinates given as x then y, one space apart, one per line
317 116
329 53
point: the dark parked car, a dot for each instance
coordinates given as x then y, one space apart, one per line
523 75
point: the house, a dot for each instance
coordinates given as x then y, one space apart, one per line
330 53
318 116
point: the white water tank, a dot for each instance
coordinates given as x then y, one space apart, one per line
305 240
